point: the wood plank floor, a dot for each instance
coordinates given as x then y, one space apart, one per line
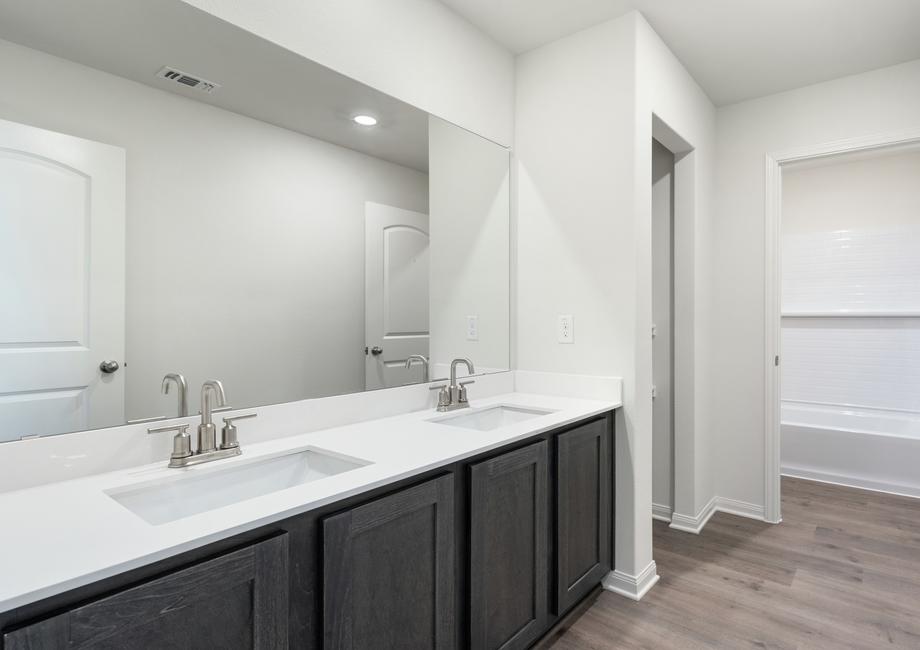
841 571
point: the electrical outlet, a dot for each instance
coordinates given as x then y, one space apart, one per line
472 328
565 331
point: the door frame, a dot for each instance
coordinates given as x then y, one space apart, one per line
773 286
683 514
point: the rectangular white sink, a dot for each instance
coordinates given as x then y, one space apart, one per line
198 491
492 417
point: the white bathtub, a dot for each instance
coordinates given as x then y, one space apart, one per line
867 448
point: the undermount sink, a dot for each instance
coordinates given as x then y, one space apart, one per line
199 491
492 417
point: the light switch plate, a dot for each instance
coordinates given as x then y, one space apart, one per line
565 331
472 328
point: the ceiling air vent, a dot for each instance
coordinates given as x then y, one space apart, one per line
187 80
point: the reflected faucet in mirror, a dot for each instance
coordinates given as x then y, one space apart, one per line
421 359
181 387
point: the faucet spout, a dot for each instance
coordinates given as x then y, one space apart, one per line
208 388
207 432
453 369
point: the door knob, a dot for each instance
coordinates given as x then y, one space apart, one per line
376 350
108 367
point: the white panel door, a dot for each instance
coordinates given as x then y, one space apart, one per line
62 282
395 294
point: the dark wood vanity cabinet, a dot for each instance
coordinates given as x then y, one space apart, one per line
509 563
388 569
487 552
237 600
584 470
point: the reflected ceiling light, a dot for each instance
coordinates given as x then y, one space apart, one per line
365 120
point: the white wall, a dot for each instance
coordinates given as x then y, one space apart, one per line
583 134
470 247
262 225
576 247
662 407
419 51
882 101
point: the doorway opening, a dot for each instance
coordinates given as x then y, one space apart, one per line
842 312
662 331
678 490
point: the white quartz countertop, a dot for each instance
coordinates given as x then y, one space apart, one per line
60 536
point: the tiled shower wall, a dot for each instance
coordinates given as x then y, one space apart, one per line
851 317
851 280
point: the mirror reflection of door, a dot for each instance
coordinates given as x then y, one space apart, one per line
62 283
395 294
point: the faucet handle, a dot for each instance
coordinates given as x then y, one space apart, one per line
228 433
443 395
175 427
182 442
461 394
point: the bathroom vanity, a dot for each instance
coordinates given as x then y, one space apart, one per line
294 245
480 528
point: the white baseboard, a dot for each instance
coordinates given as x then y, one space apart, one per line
695 523
661 512
852 481
740 508
633 587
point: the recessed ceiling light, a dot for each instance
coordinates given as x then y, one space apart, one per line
365 120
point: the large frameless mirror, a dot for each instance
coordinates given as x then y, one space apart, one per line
181 200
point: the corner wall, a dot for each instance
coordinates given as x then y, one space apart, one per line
666 93
877 102
583 134
468 212
576 253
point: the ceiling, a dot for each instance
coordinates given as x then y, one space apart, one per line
735 49
136 38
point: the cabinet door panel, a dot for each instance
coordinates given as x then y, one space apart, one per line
238 600
508 549
583 512
389 571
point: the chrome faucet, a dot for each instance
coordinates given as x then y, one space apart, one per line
182 454
453 397
207 431
421 359
181 387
